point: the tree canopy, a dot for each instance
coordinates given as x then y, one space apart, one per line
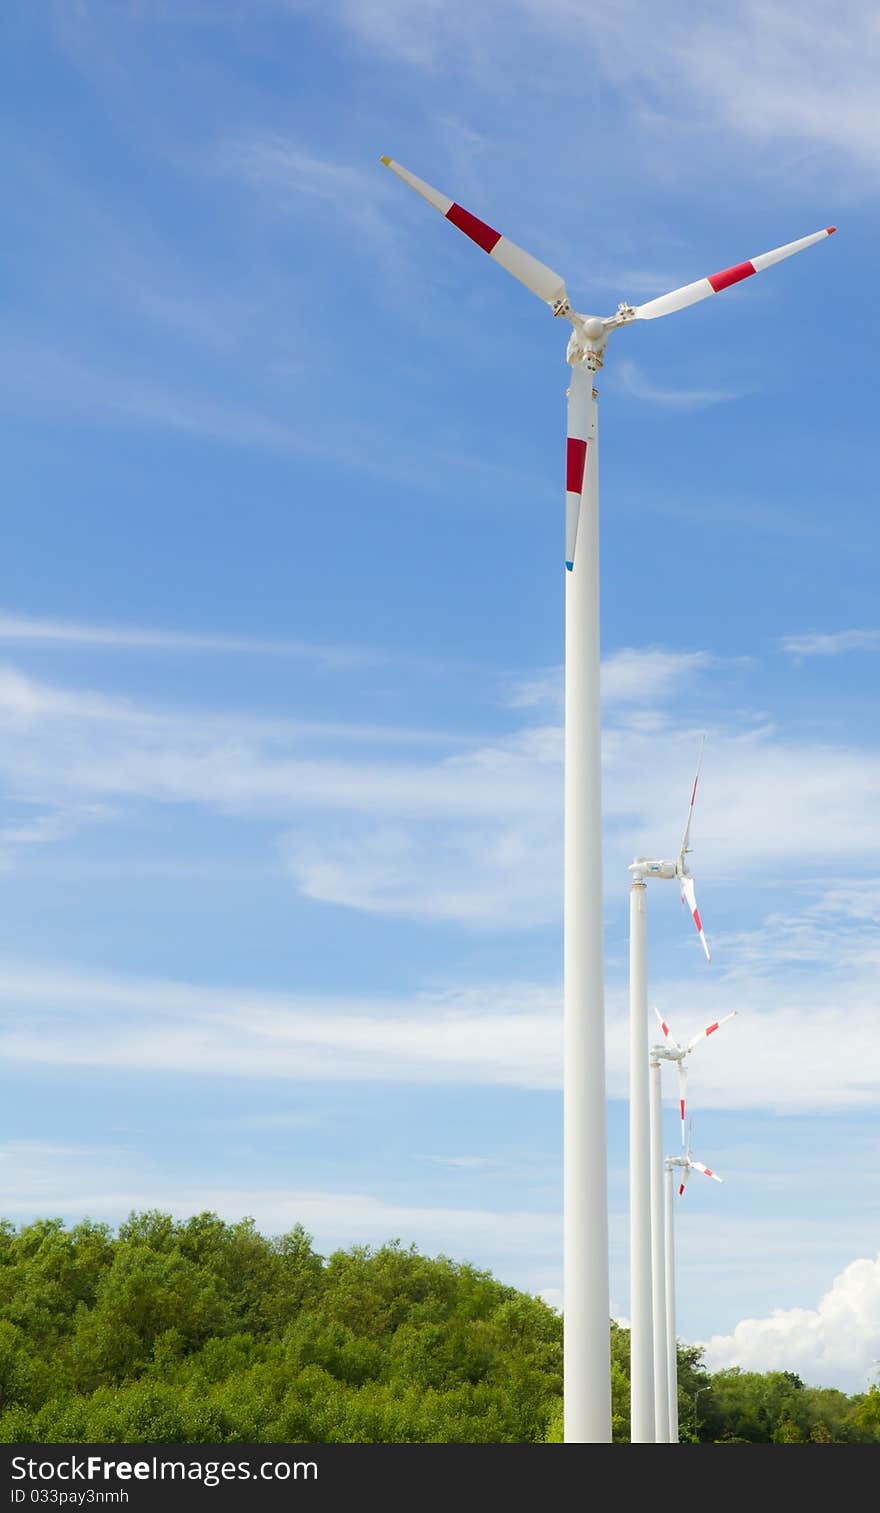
205 1331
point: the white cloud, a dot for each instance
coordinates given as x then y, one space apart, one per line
638 675
834 1343
633 675
479 877
831 643
47 829
33 630
763 72
632 379
292 173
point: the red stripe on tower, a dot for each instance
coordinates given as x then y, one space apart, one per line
730 276
477 230
575 462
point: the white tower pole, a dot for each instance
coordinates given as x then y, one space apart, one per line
670 1311
641 1338
658 1262
587 1323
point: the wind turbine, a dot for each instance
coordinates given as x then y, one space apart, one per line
644 866
587 1363
671 1051
644 1340
685 1164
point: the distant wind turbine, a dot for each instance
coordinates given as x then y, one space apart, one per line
642 1301
670 1051
683 1165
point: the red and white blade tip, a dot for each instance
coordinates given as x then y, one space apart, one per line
707 1171
711 1028
536 276
688 894
689 294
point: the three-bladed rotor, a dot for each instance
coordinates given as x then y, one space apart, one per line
589 332
673 1051
687 1164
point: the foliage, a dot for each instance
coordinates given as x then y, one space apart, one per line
203 1331
207 1331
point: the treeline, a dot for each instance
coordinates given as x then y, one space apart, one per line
204 1331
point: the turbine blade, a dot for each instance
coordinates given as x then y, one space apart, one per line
689 294
706 1170
689 896
666 1030
686 838
682 1085
580 399
710 1030
536 276
685 1176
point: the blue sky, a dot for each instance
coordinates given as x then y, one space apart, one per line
281 629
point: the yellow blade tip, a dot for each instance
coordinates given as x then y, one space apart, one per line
386 161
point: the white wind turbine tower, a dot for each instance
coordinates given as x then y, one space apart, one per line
587 1363
671 1051
644 1299
685 1164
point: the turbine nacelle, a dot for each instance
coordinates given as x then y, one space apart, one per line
644 866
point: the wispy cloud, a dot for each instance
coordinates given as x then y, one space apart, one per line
26 629
632 675
49 382
469 830
831 643
631 378
47 829
491 1033
53 382
760 73
484 1035
293 175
